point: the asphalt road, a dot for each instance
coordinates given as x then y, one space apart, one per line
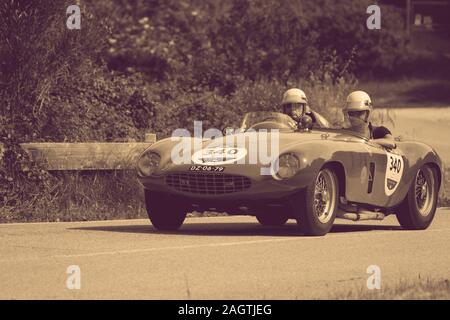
214 258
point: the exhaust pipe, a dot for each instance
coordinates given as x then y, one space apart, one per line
360 215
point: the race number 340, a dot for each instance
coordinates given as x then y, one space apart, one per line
395 164
394 171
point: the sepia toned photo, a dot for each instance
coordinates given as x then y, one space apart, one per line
208 152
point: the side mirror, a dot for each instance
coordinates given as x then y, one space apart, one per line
305 123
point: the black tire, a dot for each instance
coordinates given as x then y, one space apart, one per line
417 210
271 219
165 213
312 220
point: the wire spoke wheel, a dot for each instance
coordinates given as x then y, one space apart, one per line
324 196
316 206
424 191
417 210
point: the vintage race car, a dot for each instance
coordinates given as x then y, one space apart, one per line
277 170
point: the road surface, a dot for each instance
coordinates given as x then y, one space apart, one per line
214 258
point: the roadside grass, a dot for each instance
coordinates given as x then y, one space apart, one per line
444 196
83 196
418 289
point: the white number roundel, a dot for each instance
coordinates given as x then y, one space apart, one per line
218 155
394 171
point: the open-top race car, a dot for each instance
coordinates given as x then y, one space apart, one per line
314 174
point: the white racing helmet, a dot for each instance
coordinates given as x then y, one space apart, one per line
358 108
295 103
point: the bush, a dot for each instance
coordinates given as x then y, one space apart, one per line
298 37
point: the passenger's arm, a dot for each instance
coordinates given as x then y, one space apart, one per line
386 142
382 133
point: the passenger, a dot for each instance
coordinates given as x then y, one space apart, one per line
357 111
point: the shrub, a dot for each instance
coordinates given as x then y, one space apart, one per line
297 37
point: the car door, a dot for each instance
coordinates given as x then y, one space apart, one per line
385 169
373 172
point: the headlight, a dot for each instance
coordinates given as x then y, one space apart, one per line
148 163
288 166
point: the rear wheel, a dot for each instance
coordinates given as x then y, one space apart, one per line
315 208
417 211
271 219
165 213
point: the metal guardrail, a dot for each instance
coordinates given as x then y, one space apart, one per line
87 155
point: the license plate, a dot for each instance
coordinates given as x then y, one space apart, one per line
207 168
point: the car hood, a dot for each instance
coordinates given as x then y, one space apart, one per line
285 139
252 138
248 146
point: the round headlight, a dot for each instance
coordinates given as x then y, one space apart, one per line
148 163
288 166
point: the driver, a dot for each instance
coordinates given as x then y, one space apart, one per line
357 111
295 104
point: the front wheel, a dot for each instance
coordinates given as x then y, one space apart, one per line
417 211
315 208
165 214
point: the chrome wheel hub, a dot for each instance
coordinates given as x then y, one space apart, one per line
324 198
424 192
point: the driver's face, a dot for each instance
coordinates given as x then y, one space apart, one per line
361 115
295 110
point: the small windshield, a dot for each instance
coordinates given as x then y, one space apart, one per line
252 118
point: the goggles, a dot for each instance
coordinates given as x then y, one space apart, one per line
298 108
362 114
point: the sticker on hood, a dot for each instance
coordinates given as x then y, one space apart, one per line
394 172
218 155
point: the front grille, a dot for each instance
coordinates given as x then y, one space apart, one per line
207 183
